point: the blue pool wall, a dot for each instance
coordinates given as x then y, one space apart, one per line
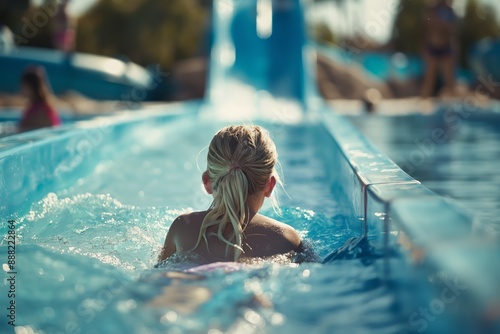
35 163
416 230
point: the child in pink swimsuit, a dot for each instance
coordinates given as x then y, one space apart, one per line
39 112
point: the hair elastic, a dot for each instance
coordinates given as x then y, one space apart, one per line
234 166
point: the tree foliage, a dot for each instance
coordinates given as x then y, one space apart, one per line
479 22
32 25
11 11
146 31
408 23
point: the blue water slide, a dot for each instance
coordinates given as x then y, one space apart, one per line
261 45
96 77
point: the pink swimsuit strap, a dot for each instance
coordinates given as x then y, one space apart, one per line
48 109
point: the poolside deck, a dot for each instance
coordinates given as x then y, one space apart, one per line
405 106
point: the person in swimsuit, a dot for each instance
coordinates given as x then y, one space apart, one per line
39 112
240 175
440 46
64 29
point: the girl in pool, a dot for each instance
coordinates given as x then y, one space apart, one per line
240 175
39 113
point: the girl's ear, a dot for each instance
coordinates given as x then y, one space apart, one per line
206 182
270 186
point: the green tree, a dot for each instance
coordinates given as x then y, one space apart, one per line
32 25
479 22
11 12
408 23
146 31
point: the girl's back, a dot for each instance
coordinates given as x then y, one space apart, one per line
262 237
240 175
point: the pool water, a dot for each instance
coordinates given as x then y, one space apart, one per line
455 153
86 253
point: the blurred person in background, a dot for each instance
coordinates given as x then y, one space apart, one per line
440 46
39 113
64 32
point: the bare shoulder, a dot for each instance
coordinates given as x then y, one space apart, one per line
273 224
184 225
188 220
286 229
283 236
179 234
185 229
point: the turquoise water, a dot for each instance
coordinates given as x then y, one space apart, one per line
454 153
86 253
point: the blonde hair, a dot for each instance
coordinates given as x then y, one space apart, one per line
240 161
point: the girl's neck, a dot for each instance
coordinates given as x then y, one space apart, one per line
255 201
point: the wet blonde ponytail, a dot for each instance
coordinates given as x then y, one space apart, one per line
239 163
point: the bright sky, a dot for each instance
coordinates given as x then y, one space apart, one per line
79 6
76 7
373 17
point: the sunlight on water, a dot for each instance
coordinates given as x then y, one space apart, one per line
98 253
87 253
94 268
82 225
463 165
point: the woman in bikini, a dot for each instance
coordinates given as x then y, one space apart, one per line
440 46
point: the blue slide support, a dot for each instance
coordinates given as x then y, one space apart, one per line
262 45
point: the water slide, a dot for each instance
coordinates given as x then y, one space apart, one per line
261 44
97 77
89 205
